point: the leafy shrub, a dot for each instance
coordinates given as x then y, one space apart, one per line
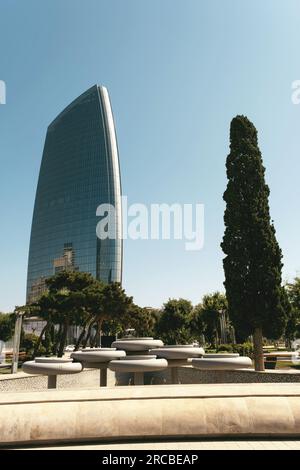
244 349
225 348
28 343
7 326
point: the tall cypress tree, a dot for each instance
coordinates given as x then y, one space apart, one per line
252 265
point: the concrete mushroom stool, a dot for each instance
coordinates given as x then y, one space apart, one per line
132 345
138 365
177 355
222 363
98 358
52 366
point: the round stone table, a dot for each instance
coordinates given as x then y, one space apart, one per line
138 365
177 355
132 345
52 367
98 358
222 363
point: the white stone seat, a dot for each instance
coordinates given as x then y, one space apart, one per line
51 366
137 344
138 365
178 352
98 358
98 355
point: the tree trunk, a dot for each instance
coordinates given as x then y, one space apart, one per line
40 340
94 339
100 331
85 341
258 350
82 334
57 339
48 339
97 336
80 338
63 340
215 342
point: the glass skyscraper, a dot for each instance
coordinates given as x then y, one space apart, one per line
79 171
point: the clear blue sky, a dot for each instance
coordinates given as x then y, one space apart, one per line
177 72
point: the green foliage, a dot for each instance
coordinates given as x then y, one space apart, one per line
104 303
74 281
7 325
174 324
206 317
292 329
293 291
64 303
112 328
252 262
244 349
142 320
28 344
225 348
107 301
66 296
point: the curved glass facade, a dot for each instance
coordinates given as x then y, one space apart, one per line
79 171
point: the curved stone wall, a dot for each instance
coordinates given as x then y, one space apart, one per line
126 413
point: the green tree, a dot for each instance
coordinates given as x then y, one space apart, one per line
252 265
142 320
6 326
104 302
292 329
207 317
37 309
65 303
76 298
28 343
174 324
